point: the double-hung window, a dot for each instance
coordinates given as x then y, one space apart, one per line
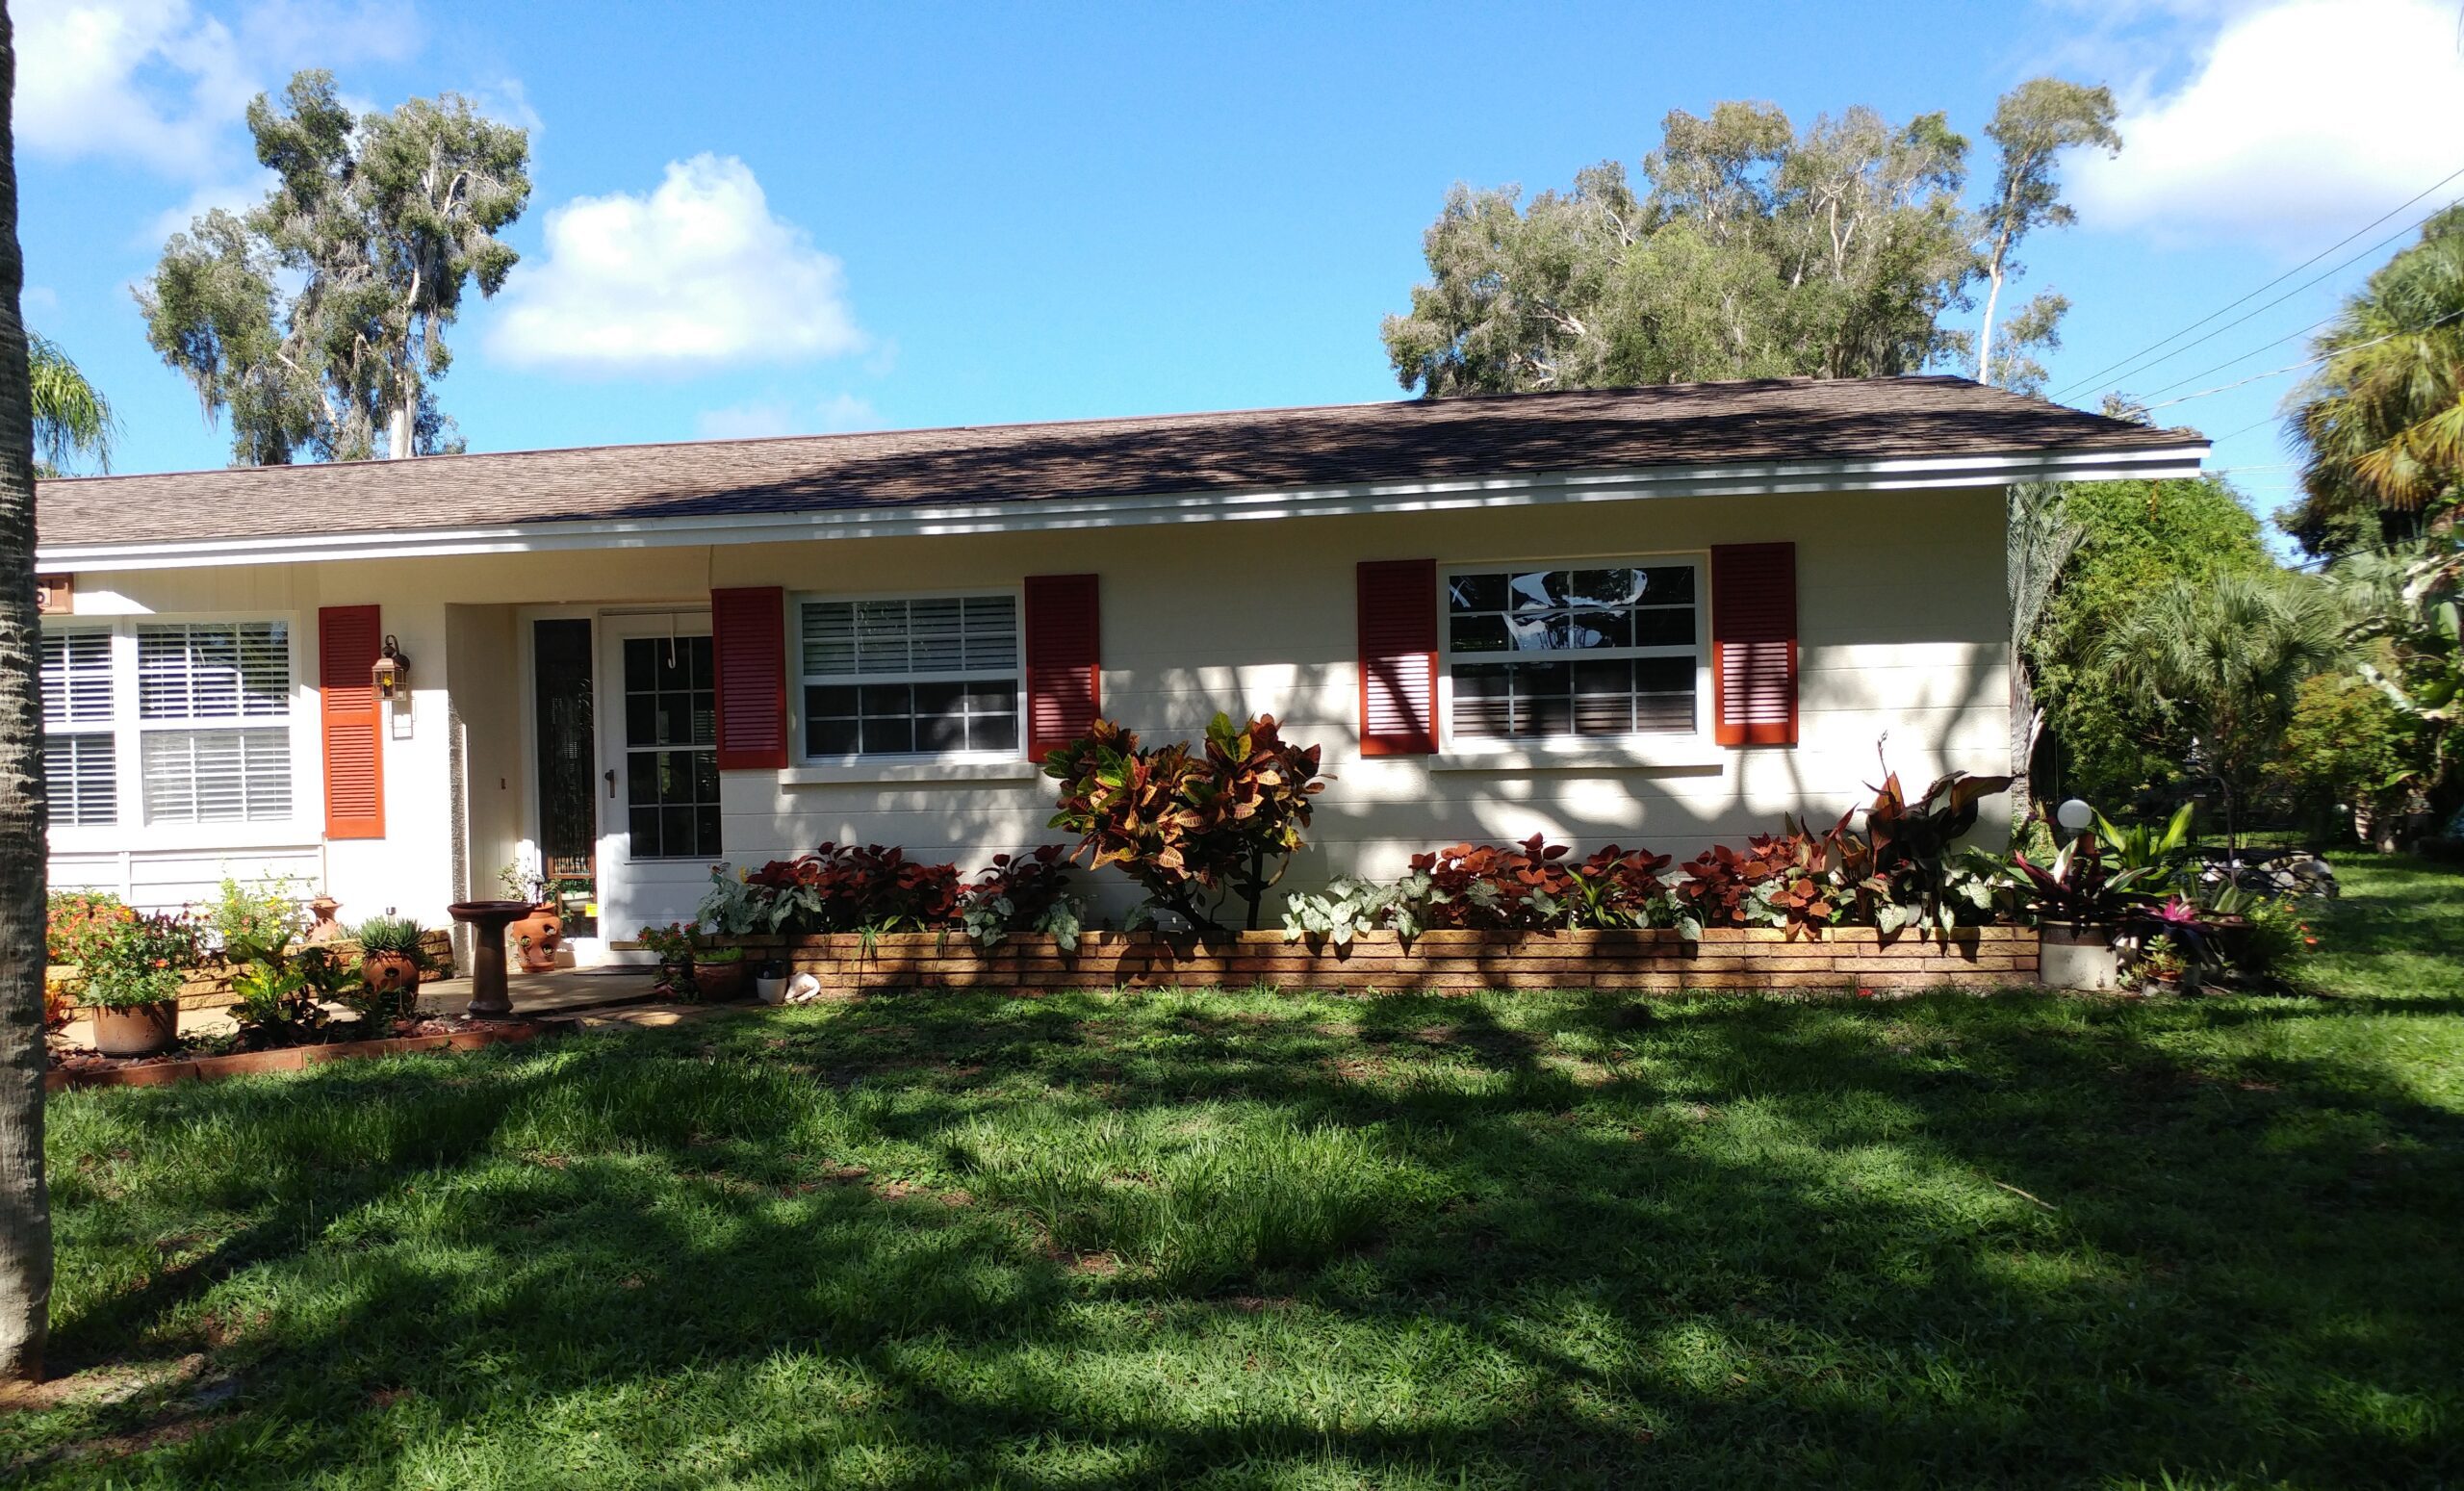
1589 651
214 720
79 746
910 676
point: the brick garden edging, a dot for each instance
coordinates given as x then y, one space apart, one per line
1971 958
290 1058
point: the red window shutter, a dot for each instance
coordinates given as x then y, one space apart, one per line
1754 643
1064 666
748 644
1398 658
349 639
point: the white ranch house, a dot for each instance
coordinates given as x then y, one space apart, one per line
1659 616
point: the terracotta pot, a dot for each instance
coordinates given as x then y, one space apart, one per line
326 929
135 1029
537 937
386 972
718 981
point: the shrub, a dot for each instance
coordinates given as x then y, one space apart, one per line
253 921
844 889
77 921
140 960
1778 879
1498 887
1904 866
1183 825
284 989
1027 892
1350 906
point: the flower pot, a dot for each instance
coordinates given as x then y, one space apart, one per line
386 972
537 937
770 990
2080 957
718 981
135 1029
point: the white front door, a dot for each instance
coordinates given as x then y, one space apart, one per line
658 827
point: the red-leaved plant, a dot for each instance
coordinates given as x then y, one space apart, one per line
1186 825
840 888
1778 879
1499 886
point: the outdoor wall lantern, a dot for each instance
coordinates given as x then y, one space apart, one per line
393 672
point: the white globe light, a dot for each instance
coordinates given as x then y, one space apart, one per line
2074 815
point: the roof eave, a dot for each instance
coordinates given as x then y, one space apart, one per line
1723 478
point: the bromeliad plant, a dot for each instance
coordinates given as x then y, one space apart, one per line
1188 826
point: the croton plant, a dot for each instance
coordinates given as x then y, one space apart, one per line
1184 824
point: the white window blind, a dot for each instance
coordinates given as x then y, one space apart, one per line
1615 650
917 676
213 670
78 739
199 684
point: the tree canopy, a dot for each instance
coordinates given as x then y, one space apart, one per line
1754 248
316 320
2381 424
2137 538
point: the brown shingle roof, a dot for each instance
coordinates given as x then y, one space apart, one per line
1678 425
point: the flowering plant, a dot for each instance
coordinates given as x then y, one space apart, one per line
673 943
79 921
144 960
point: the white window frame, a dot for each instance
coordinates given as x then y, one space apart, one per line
859 765
107 728
1640 748
305 824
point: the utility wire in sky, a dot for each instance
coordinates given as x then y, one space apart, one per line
2100 374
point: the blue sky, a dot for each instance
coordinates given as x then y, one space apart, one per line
751 220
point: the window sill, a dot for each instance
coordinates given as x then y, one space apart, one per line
922 773
1688 754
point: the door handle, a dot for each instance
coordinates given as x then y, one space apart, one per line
611 781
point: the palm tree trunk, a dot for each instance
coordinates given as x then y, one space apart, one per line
25 1206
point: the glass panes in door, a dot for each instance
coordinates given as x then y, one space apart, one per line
670 748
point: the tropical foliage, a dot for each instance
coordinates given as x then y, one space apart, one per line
2381 424
1186 825
2225 662
73 421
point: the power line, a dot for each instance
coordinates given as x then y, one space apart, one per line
2325 274
2101 373
2409 331
2230 361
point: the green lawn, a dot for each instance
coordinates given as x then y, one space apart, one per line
1256 1241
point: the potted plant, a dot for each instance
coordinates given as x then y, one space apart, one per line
672 946
770 982
2081 903
133 980
718 972
537 936
390 955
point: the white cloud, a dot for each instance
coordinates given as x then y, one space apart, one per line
697 274
835 415
2301 114
165 83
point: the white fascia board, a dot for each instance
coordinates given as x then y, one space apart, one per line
1729 480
